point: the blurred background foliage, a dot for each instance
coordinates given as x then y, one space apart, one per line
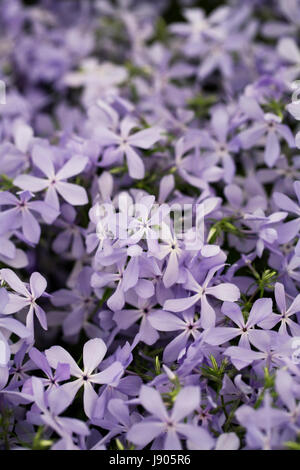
172 11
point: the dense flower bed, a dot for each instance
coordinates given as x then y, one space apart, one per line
149 221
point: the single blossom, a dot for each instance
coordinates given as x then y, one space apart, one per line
55 182
168 425
245 328
265 125
21 214
25 297
93 353
126 143
223 291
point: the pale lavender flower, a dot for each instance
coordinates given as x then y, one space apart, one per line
48 407
288 391
286 323
61 374
71 235
188 325
261 425
260 311
268 125
21 215
220 145
93 353
24 297
168 424
55 181
271 347
223 291
290 229
266 228
144 310
126 144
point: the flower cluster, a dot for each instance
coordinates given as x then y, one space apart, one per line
149 225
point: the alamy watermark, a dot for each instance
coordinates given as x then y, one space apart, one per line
296 350
2 92
154 221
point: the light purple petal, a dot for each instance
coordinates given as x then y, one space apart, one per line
14 282
208 316
42 158
172 270
172 441
228 441
280 297
179 305
272 150
58 354
93 353
30 227
226 291
72 168
165 321
15 304
38 284
89 399
174 348
72 193
146 138
143 433
221 335
152 402
187 400
31 183
111 375
135 164
260 310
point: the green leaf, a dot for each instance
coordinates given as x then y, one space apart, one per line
157 365
6 183
119 444
292 445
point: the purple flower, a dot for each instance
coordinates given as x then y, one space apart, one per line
118 419
54 183
21 216
198 26
157 190
171 248
224 291
290 229
285 313
261 310
271 347
144 311
93 353
24 297
49 406
62 372
165 321
219 145
261 425
267 228
168 425
126 143
265 124
197 171
71 234
80 301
